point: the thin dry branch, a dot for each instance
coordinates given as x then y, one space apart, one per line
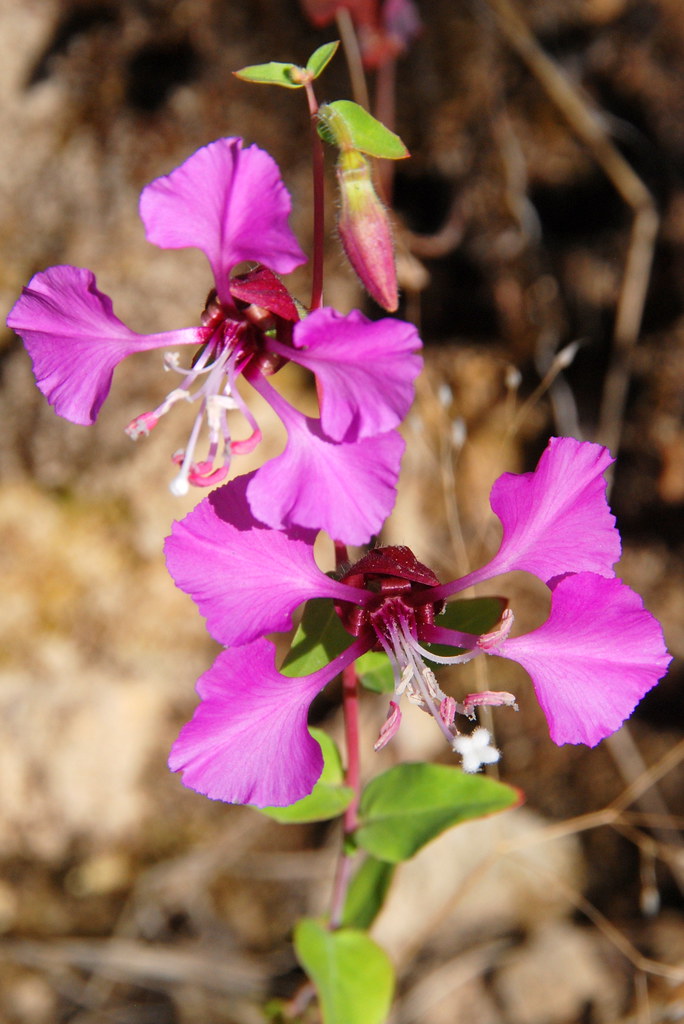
587 124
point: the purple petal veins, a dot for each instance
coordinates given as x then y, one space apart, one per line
594 658
364 370
248 741
228 201
246 579
75 341
347 489
556 519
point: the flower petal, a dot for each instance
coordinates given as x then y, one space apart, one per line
346 489
594 658
364 370
555 520
245 578
229 202
248 741
75 340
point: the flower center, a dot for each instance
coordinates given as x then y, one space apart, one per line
395 576
394 620
234 338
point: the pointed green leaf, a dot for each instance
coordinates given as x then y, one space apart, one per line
375 672
273 73
329 797
410 804
320 58
352 975
319 638
348 126
476 615
366 893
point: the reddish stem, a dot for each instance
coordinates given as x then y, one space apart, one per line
352 775
318 202
350 701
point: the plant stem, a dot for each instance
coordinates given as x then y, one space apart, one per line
352 774
318 202
352 53
350 698
352 778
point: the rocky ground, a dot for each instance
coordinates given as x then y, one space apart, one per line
124 897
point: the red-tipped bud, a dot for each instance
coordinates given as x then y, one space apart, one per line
365 231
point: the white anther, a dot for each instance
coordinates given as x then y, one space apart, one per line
172 361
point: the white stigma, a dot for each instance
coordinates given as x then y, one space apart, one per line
476 750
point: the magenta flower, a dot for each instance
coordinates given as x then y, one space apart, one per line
231 203
590 663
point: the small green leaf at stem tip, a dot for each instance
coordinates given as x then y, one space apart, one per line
367 892
319 638
352 975
375 672
320 58
329 797
347 125
411 804
273 73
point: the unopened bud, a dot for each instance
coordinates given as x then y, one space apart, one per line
365 231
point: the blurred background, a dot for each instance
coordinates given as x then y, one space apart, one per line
543 201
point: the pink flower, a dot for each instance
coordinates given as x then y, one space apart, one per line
230 202
590 663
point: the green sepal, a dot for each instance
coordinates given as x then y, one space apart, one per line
320 58
476 615
375 672
411 804
366 893
329 797
352 975
347 125
273 73
319 638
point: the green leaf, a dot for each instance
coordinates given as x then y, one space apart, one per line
375 672
273 73
411 804
366 893
353 976
475 615
348 126
328 799
320 58
320 638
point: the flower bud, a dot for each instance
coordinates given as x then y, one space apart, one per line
365 231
